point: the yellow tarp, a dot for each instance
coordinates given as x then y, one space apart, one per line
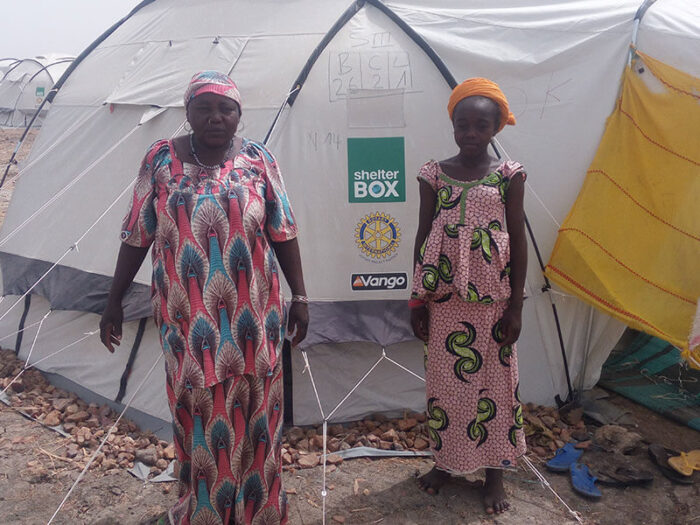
631 243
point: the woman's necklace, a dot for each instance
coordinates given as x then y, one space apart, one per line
207 166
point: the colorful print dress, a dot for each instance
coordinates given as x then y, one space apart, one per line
475 416
217 303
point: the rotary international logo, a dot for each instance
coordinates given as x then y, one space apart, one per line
378 235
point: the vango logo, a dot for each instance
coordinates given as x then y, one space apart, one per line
379 281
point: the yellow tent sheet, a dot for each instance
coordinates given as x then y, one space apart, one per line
631 243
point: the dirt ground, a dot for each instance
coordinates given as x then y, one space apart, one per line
34 479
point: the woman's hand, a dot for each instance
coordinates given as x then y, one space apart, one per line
298 322
111 326
511 323
419 322
128 263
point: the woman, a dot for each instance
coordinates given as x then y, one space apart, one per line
215 209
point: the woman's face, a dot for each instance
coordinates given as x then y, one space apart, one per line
475 123
214 119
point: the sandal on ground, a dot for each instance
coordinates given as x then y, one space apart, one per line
660 456
583 481
685 463
564 458
623 476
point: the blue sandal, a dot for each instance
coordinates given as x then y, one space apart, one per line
583 481
564 458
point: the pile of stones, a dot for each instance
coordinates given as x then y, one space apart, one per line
86 424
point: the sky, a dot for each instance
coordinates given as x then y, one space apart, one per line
37 27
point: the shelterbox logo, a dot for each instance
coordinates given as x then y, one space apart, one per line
376 170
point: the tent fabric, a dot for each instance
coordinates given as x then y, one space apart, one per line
631 242
70 289
652 372
547 57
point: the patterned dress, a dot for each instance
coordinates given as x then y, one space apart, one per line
218 306
475 416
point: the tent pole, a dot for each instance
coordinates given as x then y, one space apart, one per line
43 69
339 24
279 113
59 83
635 29
130 362
344 18
12 161
546 288
23 319
589 329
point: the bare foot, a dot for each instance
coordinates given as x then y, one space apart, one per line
433 480
493 493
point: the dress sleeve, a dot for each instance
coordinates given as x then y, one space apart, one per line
139 225
514 169
429 173
280 223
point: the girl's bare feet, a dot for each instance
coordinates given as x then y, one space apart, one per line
433 480
493 492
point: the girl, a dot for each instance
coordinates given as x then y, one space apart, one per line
467 296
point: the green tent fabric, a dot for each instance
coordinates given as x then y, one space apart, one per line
651 372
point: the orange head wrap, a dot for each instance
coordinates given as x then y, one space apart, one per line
482 87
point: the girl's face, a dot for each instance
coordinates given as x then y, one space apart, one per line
214 119
475 122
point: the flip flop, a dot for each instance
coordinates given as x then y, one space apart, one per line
583 481
685 463
564 458
623 476
660 456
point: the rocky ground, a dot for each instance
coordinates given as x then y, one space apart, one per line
38 465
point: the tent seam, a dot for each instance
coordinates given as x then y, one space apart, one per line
639 204
602 302
666 149
481 22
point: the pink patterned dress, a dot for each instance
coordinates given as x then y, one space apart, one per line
217 303
475 415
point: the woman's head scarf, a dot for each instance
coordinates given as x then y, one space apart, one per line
212 82
482 87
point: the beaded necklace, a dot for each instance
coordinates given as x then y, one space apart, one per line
207 166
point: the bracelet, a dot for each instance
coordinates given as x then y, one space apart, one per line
414 304
303 299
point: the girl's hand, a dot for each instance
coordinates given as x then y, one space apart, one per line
111 326
511 323
298 322
419 322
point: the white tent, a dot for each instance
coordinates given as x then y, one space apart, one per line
329 84
7 63
23 86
